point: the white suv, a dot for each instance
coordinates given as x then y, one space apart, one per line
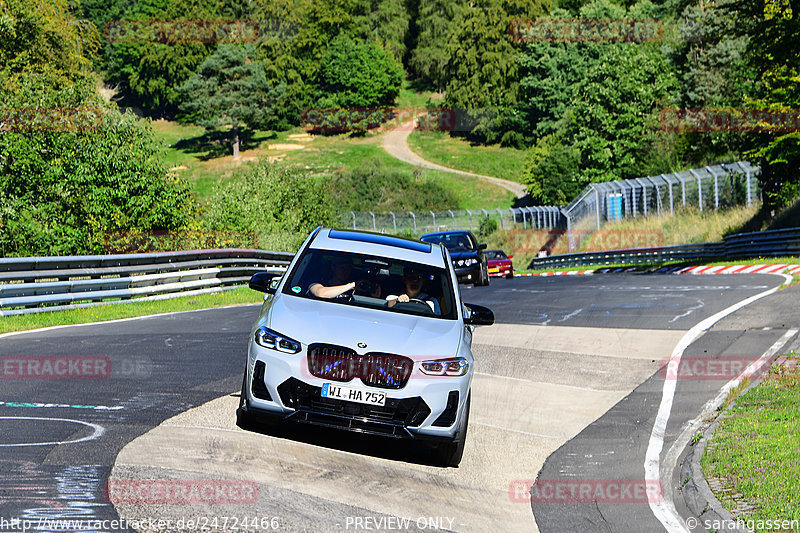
365 332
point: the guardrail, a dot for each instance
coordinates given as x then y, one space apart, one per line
775 243
36 284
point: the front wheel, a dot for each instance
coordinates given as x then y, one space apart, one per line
450 453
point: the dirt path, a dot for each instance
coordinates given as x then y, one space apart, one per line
396 143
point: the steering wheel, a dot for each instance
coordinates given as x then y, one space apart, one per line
419 301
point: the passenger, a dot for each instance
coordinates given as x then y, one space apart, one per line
413 280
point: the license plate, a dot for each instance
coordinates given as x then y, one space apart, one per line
353 395
494 270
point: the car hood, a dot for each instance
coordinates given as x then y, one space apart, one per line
309 321
499 261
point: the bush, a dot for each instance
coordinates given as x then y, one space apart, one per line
279 204
62 192
373 187
487 227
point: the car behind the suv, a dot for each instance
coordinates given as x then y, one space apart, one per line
366 357
468 257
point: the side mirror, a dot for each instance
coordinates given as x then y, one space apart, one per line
482 246
510 256
479 315
264 282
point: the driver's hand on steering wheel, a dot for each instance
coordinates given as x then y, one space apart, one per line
403 298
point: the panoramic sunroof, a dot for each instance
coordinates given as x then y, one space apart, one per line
386 240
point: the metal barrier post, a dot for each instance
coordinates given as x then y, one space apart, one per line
415 221
716 187
394 222
453 216
354 219
374 227
433 215
501 217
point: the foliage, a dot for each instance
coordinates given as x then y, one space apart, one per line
780 170
63 192
279 204
149 71
487 227
38 35
481 69
358 74
231 90
592 110
373 187
430 55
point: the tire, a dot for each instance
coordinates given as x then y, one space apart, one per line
243 419
484 280
450 453
510 275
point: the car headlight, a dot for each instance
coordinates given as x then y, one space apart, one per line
466 262
267 338
457 366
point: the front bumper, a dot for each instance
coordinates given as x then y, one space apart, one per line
280 387
470 274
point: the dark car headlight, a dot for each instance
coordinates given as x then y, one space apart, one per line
273 340
467 262
457 366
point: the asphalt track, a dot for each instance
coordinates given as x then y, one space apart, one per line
571 369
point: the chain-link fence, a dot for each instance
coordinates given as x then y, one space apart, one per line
419 222
710 187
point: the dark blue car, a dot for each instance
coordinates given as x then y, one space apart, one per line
467 255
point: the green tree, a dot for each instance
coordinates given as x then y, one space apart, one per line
44 36
279 204
482 66
153 72
772 31
358 74
436 23
231 90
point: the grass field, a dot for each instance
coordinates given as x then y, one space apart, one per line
754 451
238 296
439 147
317 154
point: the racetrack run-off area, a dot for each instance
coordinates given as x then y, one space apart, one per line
567 386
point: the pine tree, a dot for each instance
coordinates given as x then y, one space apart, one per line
230 89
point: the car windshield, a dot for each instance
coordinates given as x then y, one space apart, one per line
380 283
452 241
495 254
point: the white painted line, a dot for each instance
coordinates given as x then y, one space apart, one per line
694 426
550 384
664 509
96 433
142 317
519 431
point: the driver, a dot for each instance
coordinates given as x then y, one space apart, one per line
338 285
413 280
